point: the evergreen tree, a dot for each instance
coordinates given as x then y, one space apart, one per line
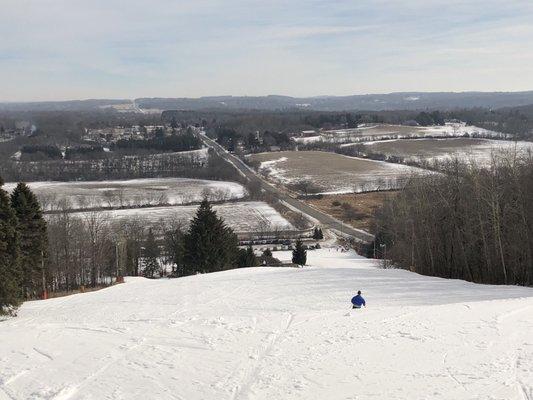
9 250
247 258
299 254
317 234
424 119
33 240
209 244
151 255
267 253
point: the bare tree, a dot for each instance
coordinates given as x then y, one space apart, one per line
469 223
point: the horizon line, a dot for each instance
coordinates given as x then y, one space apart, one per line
265 95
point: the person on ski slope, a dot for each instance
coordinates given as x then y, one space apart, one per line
358 301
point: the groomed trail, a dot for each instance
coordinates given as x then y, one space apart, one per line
275 333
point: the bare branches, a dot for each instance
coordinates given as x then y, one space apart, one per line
468 223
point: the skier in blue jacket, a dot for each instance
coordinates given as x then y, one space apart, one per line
358 301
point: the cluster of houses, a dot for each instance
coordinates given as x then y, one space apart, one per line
137 132
21 128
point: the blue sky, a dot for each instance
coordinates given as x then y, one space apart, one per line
72 49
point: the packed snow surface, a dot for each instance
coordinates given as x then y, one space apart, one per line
275 333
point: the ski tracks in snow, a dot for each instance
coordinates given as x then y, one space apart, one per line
257 334
253 368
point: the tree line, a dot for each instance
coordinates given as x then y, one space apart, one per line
67 253
23 244
468 223
183 142
185 165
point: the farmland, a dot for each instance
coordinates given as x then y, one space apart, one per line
386 132
332 173
356 210
132 193
241 216
479 151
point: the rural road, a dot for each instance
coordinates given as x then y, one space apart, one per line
327 221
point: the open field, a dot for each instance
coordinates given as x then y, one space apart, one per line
275 333
246 216
132 193
332 173
385 132
356 209
479 151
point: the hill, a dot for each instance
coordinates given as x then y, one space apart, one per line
367 102
275 333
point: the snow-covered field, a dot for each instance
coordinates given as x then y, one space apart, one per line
135 192
385 131
478 151
275 333
246 216
331 172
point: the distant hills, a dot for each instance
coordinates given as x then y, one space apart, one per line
369 102
69 105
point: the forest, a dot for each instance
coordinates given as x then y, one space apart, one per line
465 223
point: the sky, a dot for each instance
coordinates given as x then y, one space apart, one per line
73 49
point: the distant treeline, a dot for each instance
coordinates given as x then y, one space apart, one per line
66 128
468 223
84 152
159 144
185 165
183 142
36 152
517 120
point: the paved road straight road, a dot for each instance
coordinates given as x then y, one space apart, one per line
327 221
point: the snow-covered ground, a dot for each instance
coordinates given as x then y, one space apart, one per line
246 216
332 173
133 192
385 132
275 333
476 151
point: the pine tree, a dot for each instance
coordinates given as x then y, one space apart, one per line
33 240
247 258
10 292
317 234
267 253
299 254
209 245
151 255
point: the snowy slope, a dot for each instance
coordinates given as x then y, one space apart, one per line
268 333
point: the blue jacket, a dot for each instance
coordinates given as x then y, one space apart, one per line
358 301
